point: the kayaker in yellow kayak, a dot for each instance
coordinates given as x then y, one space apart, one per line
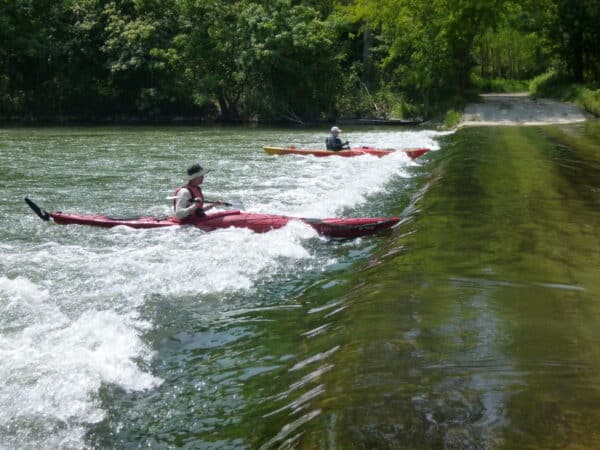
189 200
333 142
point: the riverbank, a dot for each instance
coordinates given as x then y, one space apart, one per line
520 109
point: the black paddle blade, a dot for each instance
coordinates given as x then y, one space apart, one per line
39 211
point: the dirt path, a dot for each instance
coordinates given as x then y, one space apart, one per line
520 109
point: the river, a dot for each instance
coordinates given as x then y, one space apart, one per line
473 324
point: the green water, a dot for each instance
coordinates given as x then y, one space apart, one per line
480 329
475 324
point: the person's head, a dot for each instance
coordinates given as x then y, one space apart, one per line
195 174
335 131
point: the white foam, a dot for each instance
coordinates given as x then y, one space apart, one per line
52 365
399 139
72 323
324 187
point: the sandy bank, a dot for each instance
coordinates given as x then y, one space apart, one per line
520 109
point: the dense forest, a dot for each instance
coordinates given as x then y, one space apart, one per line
295 60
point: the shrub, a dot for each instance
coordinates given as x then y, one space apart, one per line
498 84
549 84
590 100
556 85
452 118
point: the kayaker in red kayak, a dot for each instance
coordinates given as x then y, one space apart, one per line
189 200
333 142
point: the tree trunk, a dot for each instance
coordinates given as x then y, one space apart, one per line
228 108
576 55
367 75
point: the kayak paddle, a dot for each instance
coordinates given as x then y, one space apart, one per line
42 214
236 205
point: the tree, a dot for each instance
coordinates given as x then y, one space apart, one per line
428 44
30 33
143 64
268 59
573 27
515 48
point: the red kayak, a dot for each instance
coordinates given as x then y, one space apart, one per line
413 153
259 223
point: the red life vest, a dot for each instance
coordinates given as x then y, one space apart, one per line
196 193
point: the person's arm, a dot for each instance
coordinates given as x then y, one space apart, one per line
183 198
212 205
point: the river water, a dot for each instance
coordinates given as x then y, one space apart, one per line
473 324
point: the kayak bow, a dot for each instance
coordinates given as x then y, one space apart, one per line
412 153
259 223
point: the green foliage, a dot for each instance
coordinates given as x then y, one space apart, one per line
549 84
285 59
356 101
498 84
293 73
555 84
267 60
573 31
590 100
508 53
424 48
452 119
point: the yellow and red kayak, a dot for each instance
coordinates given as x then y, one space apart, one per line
355 151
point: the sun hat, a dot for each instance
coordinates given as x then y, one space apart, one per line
334 129
196 171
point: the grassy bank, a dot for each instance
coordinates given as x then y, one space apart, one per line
553 84
497 85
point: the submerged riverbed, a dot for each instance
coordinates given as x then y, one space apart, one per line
471 325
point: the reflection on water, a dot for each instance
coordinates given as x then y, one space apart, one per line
482 332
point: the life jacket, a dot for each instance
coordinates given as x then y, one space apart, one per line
333 143
196 193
